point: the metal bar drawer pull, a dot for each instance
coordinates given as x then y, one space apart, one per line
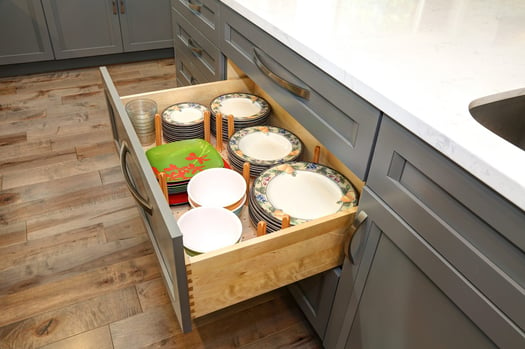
293 88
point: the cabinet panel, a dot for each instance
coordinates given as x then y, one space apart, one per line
202 14
315 296
345 123
200 53
145 24
409 296
24 35
477 231
81 28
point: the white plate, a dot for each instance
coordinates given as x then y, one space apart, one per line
184 114
303 190
265 145
243 106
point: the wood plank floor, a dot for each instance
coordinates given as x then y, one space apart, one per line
77 269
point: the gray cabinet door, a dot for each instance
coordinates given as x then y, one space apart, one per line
406 295
315 296
145 24
24 37
80 28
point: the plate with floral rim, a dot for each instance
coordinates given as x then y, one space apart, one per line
303 190
187 113
265 145
243 106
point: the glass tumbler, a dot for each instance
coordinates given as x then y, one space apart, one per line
142 112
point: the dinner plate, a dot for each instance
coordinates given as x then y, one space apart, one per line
187 113
265 145
303 190
243 106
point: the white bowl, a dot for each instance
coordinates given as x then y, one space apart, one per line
205 229
217 187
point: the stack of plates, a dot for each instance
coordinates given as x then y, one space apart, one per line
247 110
183 121
303 190
263 147
181 160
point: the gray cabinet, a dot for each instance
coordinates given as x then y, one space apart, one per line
343 122
404 295
87 28
24 35
315 297
196 35
83 28
454 233
145 24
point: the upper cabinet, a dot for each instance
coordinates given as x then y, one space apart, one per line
24 33
79 28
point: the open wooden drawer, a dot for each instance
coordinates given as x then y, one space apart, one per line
204 283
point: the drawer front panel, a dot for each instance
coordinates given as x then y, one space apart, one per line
187 72
204 55
202 14
475 230
345 123
158 219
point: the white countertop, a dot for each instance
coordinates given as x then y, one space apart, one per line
422 62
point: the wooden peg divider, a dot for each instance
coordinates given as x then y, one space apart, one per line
246 175
207 118
218 131
317 152
285 222
158 130
261 228
231 125
163 184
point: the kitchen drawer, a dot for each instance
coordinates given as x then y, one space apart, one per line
345 123
204 283
202 14
476 230
200 54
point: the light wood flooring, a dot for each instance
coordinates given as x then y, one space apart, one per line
77 269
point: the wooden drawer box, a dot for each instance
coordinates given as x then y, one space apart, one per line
205 283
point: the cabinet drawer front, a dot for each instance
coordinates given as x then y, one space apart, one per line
252 267
477 231
158 219
204 55
345 123
187 74
202 14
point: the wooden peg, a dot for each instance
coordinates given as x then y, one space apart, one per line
218 131
261 228
231 125
163 184
158 130
317 152
207 118
246 175
285 222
